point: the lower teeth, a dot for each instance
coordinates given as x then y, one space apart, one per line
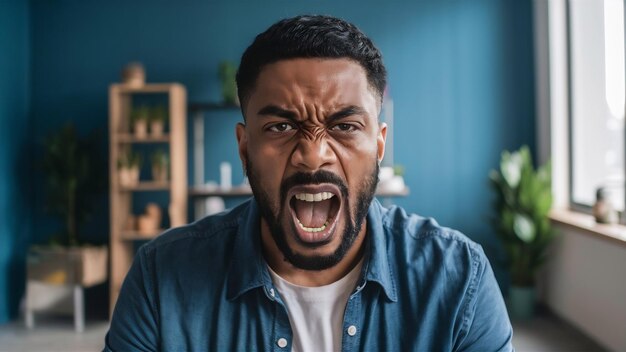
313 229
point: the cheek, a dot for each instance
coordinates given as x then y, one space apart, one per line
269 165
357 158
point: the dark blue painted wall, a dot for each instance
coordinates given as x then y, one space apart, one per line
15 216
460 74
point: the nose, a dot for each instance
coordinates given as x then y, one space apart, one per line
312 154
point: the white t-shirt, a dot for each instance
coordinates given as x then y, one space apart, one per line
316 313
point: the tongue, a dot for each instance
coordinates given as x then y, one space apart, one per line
312 214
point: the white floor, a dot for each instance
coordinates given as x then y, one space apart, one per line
547 333
544 333
53 335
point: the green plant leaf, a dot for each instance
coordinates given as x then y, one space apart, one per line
73 177
524 228
511 168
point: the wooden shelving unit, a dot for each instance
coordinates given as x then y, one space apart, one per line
146 186
121 197
138 236
129 138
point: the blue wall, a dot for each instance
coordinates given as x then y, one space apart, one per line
14 151
460 73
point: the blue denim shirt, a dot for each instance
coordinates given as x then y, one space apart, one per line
205 286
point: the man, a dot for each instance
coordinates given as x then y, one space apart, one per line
312 262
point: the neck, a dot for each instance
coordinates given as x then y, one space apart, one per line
311 278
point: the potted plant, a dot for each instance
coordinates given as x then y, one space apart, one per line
523 201
160 166
157 121
73 179
128 168
227 73
139 121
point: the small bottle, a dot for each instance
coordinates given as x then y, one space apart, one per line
226 176
603 210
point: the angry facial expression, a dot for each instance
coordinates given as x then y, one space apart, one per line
310 147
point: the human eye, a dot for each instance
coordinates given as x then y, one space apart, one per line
280 127
344 127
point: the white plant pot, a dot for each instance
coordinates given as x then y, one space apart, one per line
159 173
521 302
129 177
141 129
156 128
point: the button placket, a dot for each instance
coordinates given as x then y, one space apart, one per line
352 320
282 334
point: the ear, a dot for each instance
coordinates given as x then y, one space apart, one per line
381 139
242 144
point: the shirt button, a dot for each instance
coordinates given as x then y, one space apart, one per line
352 330
282 342
272 293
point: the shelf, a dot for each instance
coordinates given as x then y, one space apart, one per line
386 193
138 236
162 88
586 224
195 107
147 186
246 191
131 138
240 191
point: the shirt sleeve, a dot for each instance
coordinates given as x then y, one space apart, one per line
487 324
134 325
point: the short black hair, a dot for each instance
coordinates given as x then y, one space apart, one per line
310 36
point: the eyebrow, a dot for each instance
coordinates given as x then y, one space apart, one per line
346 112
273 110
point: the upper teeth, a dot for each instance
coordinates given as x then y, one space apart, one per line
314 197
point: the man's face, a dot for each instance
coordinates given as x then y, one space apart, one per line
311 146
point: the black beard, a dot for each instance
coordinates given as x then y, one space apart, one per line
353 224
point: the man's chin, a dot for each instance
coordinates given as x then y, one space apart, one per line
314 255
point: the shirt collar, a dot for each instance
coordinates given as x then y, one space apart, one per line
378 268
248 269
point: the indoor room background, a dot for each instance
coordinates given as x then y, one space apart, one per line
460 76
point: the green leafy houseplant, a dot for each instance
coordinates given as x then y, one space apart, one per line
160 165
128 165
129 160
523 201
139 118
158 117
73 178
227 73
141 113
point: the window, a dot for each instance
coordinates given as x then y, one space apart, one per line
596 100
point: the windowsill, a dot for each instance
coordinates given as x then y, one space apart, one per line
586 224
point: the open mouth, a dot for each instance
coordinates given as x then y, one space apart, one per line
314 211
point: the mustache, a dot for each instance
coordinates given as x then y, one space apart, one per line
321 176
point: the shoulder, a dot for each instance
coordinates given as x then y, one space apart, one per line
421 250
418 229
430 260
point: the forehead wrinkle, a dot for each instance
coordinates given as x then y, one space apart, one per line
315 97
